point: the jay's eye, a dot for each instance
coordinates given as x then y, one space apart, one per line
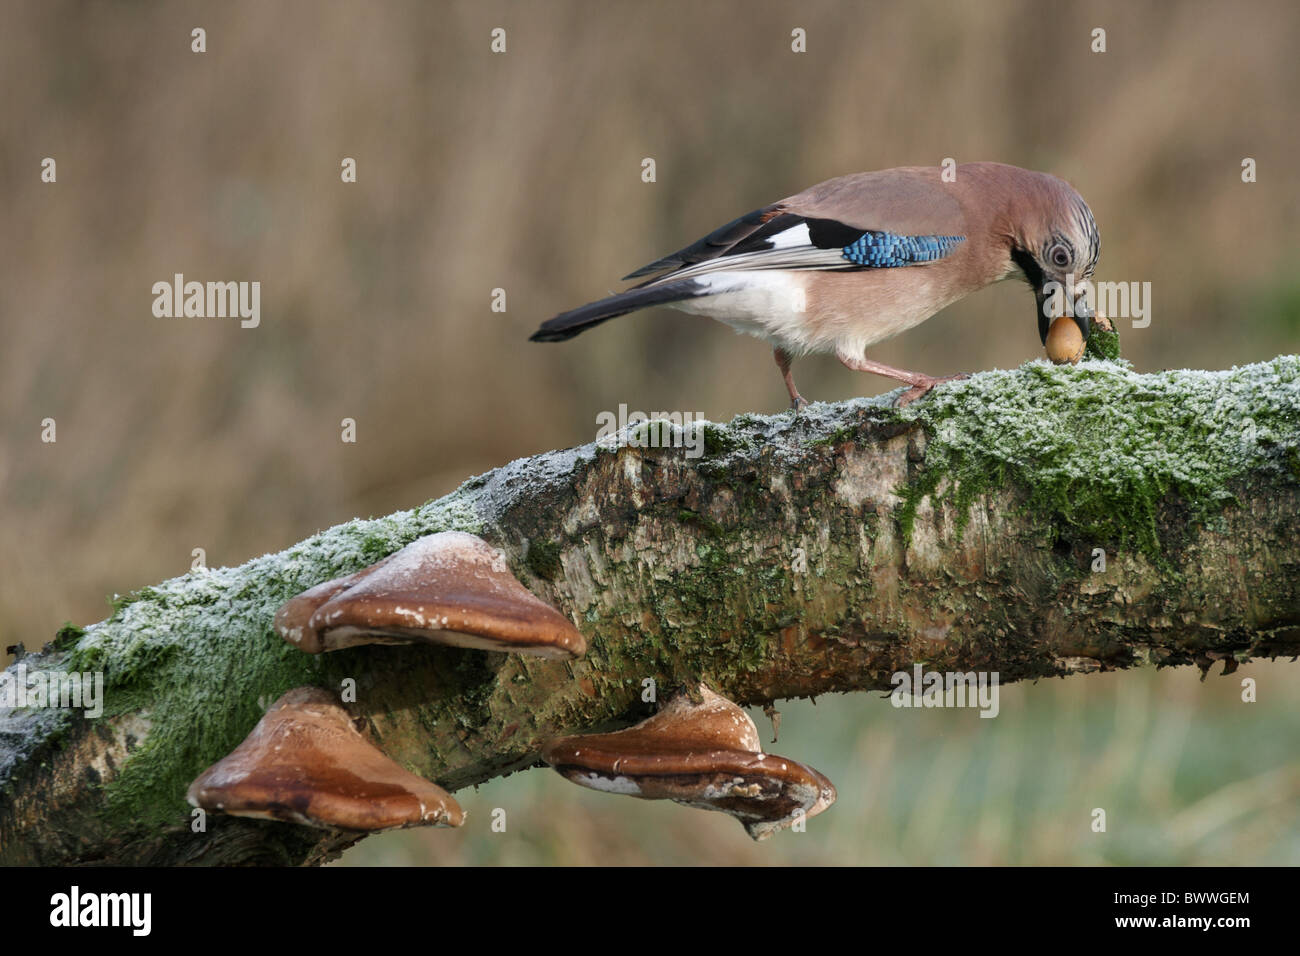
1060 256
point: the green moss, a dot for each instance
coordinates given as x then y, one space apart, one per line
68 636
1103 344
119 601
835 437
197 656
1097 448
723 440
543 559
375 547
1100 448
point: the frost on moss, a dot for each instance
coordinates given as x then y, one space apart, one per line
1101 446
174 652
1098 445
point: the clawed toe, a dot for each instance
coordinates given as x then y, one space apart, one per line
923 387
912 394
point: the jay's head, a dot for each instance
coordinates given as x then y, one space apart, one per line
1055 245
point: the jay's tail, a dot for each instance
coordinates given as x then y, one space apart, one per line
568 324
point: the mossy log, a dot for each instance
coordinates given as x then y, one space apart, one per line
798 555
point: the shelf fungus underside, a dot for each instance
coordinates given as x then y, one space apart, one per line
703 754
306 763
450 588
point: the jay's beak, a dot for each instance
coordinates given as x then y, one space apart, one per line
1083 317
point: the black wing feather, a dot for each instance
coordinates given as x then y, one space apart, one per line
752 232
717 243
568 324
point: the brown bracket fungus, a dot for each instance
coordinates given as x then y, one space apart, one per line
306 763
450 588
704 755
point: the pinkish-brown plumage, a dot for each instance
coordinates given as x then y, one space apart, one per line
785 272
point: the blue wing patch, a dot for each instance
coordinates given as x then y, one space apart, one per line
884 250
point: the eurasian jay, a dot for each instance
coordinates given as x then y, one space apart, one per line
858 259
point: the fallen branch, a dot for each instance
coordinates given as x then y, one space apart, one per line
797 556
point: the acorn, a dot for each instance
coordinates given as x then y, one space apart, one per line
1064 341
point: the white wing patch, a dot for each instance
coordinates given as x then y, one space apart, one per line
782 257
792 238
790 249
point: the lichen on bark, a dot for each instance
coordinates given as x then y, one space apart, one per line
797 556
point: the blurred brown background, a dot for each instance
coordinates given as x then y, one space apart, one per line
522 171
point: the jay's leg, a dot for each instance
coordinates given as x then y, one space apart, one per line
920 382
783 360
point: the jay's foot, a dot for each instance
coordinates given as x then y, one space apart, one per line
922 387
920 382
783 362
